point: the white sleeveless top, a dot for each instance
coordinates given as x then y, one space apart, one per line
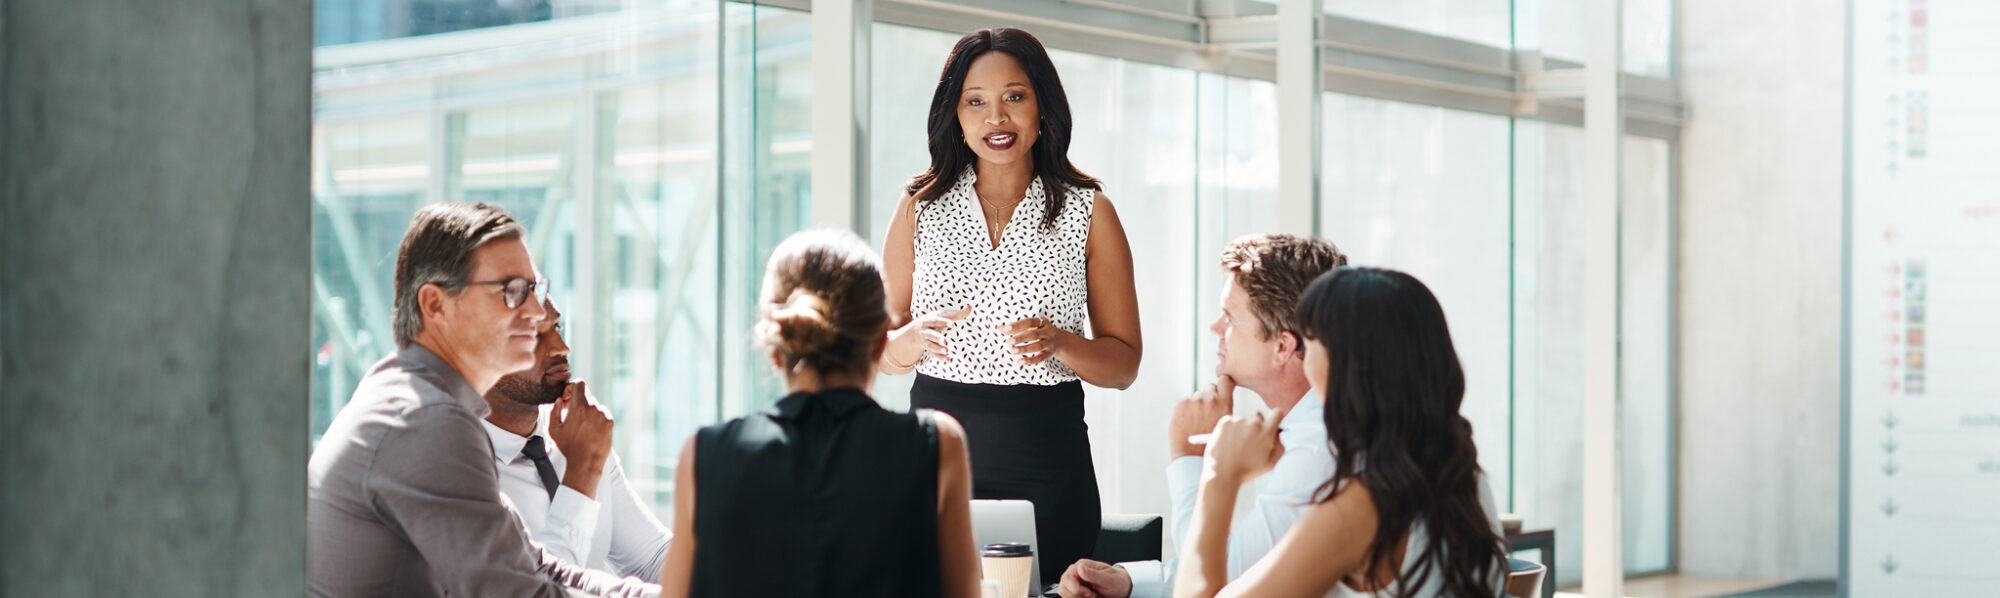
1419 538
1034 272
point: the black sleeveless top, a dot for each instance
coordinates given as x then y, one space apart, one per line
824 494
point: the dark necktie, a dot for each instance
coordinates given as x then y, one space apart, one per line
547 470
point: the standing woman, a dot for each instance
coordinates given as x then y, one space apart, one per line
995 257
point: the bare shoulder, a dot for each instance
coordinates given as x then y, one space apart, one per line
1103 213
952 456
1106 231
906 212
948 427
687 453
898 242
1352 508
1100 205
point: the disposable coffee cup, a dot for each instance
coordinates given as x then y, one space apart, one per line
1009 564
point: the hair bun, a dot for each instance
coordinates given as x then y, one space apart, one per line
821 306
801 326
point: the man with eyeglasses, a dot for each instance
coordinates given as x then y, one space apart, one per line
402 495
552 443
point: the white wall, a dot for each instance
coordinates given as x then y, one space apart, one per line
1759 304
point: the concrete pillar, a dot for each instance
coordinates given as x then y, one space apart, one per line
1759 287
155 259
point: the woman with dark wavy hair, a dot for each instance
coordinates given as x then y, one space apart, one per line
995 256
1407 512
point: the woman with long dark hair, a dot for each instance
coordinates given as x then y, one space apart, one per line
995 256
1407 512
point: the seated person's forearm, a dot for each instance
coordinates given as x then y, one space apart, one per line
1204 567
583 477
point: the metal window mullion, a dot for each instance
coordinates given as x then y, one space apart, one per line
585 310
840 30
438 151
1362 58
1299 82
1603 548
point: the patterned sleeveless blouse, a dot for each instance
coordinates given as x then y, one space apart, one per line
1035 271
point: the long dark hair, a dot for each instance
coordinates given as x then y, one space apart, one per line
950 156
1393 389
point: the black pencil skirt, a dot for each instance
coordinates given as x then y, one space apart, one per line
1028 442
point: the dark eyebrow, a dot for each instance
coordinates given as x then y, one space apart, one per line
1011 84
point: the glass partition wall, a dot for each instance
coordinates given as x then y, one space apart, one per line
657 150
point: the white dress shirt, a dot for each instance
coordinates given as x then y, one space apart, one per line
400 501
1283 496
621 534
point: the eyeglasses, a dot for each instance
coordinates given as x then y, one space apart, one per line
514 291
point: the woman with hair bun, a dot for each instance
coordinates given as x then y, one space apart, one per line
826 493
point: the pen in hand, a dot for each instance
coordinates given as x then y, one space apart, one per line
1203 439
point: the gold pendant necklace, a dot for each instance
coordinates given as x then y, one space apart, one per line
993 224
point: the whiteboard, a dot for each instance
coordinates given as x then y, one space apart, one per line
1921 472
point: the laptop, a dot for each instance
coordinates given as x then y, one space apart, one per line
1007 522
